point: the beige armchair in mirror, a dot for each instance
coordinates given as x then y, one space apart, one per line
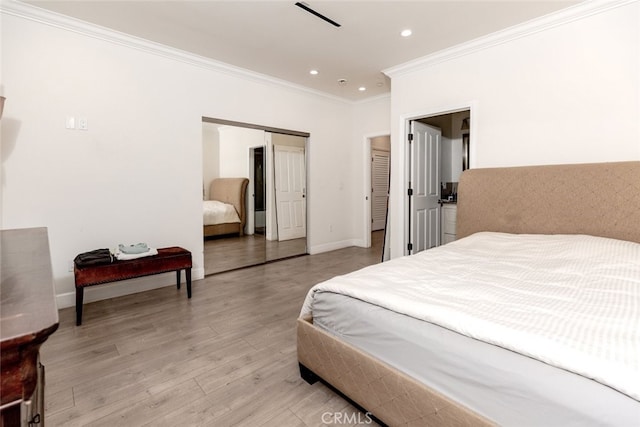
254 195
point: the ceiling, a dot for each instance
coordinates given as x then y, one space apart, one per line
280 40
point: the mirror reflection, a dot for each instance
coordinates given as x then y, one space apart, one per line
254 196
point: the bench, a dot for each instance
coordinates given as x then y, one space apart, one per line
168 259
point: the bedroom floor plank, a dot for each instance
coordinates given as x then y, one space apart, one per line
284 418
60 400
225 357
133 366
154 379
226 253
153 408
324 401
223 375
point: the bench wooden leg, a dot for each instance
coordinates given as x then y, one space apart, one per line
188 274
79 299
188 277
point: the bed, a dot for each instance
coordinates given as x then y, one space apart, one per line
530 318
225 211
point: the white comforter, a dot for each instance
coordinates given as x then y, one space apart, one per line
216 212
572 301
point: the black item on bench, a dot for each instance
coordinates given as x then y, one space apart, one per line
96 257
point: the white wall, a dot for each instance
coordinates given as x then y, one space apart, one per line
371 120
210 156
288 140
446 160
568 93
136 174
381 143
235 143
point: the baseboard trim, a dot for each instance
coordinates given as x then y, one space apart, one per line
328 247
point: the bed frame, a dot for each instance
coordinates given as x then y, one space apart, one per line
232 191
601 199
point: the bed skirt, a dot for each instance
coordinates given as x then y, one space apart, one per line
222 229
388 394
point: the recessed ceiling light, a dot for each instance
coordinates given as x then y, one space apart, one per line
406 33
313 72
362 88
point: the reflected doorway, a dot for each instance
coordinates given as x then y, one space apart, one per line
257 175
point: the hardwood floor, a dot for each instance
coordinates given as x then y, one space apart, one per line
225 357
230 252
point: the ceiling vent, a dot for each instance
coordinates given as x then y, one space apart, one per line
306 7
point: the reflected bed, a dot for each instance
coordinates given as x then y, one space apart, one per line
227 197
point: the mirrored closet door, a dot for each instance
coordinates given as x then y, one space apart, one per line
254 195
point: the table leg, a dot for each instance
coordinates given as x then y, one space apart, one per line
178 277
188 274
79 299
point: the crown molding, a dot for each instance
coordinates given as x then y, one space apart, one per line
562 17
33 13
375 98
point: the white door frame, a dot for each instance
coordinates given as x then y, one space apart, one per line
367 185
271 232
399 244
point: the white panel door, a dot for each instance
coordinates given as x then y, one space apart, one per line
290 183
379 188
425 183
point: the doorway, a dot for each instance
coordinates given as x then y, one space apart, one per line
379 188
377 161
437 156
257 203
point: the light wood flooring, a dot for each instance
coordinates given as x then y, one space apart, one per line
230 252
225 357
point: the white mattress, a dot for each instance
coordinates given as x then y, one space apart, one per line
569 301
505 387
217 212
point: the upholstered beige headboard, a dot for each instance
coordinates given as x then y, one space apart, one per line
232 191
600 199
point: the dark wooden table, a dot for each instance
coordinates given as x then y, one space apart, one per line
168 259
28 316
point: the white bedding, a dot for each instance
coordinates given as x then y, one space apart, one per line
571 301
216 212
503 386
